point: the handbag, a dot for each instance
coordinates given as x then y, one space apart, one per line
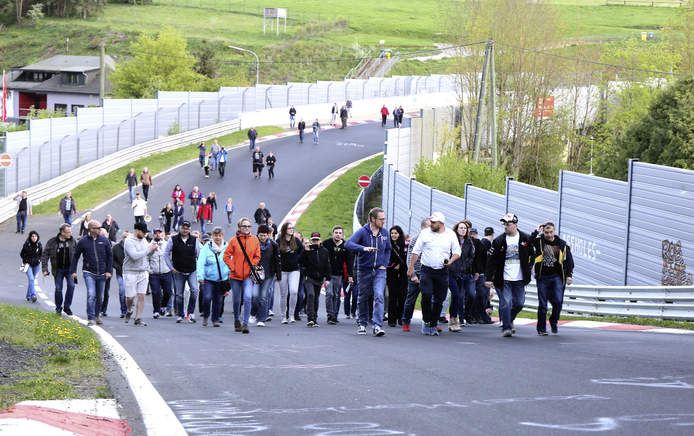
257 271
226 286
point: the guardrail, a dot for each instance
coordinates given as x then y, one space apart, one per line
665 302
93 169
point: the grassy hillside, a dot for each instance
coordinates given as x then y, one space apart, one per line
321 31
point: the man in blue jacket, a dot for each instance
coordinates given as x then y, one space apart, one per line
372 245
96 267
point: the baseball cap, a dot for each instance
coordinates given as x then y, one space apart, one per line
205 237
141 226
473 230
437 216
185 224
509 218
157 229
315 235
488 231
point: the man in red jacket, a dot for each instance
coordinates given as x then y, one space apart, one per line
384 115
204 215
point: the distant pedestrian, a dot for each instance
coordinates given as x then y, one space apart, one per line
252 136
302 127
273 227
202 152
349 107
230 210
135 267
139 207
261 214
292 116
178 195
204 215
214 155
223 157
212 201
84 227
316 131
258 159
395 117
166 215
270 161
195 196
242 256
111 227
23 210
179 211
343 117
59 251
31 253
401 112
96 268
67 207
131 181
333 114
384 115
206 166
146 180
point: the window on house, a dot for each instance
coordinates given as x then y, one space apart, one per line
38 76
75 106
75 78
62 108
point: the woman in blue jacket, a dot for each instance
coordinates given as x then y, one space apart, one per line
213 276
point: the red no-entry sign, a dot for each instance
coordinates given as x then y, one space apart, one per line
364 181
6 160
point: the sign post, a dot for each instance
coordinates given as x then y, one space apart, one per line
364 182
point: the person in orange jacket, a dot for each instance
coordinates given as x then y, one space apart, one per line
240 270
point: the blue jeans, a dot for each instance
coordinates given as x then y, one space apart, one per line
549 288
315 136
159 283
21 220
372 284
410 301
511 301
251 146
67 217
131 190
332 296
31 275
301 136
212 293
434 286
60 275
245 287
95 292
203 226
121 294
291 121
261 298
461 287
213 162
180 280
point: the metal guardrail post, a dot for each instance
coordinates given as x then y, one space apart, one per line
41 154
395 179
561 195
630 184
118 135
79 140
60 155
508 184
135 128
99 133
268 102
409 212
243 99
289 87
467 185
327 92
431 201
199 105
308 93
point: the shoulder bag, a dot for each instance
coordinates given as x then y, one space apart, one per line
257 271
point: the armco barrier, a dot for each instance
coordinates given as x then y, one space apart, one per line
666 302
77 176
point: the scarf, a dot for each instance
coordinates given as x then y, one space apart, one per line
215 248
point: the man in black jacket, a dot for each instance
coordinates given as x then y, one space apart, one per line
508 270
118 251
554 267
261 214
59 250
339 257
252 136
111 227
270 261
316 262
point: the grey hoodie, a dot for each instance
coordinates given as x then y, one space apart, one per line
157 259
136 251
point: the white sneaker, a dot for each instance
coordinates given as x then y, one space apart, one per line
361 330
378 331
270 313
284 320
260 324
252 320
293 320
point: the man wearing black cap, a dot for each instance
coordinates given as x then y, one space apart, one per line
316 262
181 255
135 266
508 270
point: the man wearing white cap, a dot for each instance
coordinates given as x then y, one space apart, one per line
438 247
508 269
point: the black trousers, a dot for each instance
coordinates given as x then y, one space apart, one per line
222 166
433 285
397 291
271 171
145 191
312 297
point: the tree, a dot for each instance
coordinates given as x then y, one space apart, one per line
205 60
157 63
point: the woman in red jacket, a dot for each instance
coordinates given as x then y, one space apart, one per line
178 195
204 215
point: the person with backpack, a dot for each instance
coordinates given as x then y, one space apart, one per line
242 256
31 258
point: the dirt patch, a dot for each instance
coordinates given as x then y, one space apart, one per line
15 359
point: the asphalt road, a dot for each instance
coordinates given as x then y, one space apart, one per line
291 379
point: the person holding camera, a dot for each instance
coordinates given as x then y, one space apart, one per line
438 247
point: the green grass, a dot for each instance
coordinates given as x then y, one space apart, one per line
668 323
320 31
335 204
71 358
95 191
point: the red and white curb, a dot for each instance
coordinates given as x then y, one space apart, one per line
64 417
300 207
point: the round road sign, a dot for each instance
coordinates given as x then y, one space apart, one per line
5 160
364 181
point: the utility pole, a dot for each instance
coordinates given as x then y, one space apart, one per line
492 104
102 72
480 104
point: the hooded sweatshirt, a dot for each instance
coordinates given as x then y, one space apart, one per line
364 237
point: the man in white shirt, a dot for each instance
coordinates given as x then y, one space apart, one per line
139 207
437 247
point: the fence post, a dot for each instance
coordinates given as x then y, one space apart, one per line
395 179
289 87
630 182
508 184
561 194
467 185
267 97
409 212
308 93
431 200
188 123
199 105
327 92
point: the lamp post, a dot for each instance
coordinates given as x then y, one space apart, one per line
591 155
257 62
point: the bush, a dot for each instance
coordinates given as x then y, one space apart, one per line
451 172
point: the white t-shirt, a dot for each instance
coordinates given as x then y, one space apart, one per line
512 266
139 207
434 248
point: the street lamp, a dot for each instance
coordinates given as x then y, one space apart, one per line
257 62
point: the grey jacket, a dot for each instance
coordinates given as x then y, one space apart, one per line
157 259
136 251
